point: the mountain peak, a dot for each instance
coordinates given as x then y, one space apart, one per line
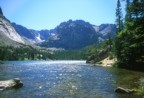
1 13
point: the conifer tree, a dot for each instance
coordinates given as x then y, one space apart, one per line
128 14
119 24
130 51
119 17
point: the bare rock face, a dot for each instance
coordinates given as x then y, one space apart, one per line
12 83
8 35
8 31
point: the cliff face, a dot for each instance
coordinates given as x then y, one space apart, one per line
8 35
8 31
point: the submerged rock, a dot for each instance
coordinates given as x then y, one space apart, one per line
124 90
12 83
1 62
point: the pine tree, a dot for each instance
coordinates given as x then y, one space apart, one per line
119 17
130 51
119 24
128 14
137 29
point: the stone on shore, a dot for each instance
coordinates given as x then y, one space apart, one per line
124 90
12 83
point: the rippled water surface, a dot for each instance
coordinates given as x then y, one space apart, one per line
74 79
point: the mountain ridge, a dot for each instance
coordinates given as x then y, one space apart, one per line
33 36
79 34
72 34
8 35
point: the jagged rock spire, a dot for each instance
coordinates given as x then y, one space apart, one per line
1 13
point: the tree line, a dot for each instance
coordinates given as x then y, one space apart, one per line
23 53
129 41
70 55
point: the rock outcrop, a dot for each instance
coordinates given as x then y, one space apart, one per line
100 55
12 83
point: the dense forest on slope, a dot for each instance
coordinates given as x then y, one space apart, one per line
128 46
129 42
92 53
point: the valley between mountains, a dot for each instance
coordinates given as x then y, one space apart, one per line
71 37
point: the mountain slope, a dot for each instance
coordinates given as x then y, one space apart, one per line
33 36
72 35
105 31
8 35
68 35
79 34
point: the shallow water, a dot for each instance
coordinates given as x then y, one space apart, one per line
74 79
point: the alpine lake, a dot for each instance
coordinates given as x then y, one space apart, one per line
67 79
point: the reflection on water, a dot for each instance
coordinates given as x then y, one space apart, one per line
67 78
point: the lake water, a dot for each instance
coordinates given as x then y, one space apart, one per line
62 79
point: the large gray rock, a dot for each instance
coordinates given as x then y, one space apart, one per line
12 83
124 90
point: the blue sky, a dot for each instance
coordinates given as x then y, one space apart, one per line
47 14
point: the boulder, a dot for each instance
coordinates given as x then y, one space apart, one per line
1 62
124 90
12 83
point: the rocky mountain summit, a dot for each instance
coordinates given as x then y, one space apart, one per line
79 34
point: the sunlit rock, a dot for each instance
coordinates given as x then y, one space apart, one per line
12 83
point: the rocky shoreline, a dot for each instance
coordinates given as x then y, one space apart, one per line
107 62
